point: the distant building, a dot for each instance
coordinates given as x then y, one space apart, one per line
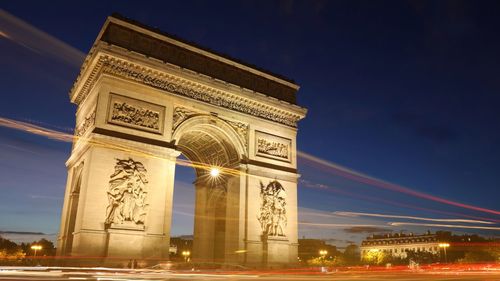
180 244
398 244
309 248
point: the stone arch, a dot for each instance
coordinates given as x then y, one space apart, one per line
143 99
208 141
216 133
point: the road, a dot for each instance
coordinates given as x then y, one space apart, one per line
103 274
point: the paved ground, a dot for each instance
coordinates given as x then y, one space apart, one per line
13 273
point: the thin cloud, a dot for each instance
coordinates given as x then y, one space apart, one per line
33 196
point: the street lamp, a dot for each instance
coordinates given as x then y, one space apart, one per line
36 248
323 253
444 246
186 255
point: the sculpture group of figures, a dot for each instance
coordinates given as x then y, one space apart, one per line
272 148
126 113
127 193
272 216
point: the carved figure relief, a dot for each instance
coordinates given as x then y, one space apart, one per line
271 146
127 193
272 216
85 124
136 114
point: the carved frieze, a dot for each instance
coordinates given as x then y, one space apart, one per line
272 215
136 114
85 124
271 146
127 194
181 114
119 68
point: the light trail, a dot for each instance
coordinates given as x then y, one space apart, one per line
65 137
328 188
36 130
355 214
359 177
443 225
334 225
32 38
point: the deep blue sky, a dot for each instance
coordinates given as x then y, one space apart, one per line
406 91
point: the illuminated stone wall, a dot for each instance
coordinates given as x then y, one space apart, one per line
136 115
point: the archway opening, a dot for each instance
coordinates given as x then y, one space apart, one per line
209 150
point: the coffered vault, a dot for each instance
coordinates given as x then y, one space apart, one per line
145 97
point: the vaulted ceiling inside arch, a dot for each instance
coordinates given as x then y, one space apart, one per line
208 148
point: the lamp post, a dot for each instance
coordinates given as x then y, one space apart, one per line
444 246
36 248
323 254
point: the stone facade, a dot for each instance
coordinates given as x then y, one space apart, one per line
136 114
399 244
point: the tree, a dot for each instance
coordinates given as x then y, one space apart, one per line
477 256
10 251
8 245
351 254
375 257
332 261
422 257
48 248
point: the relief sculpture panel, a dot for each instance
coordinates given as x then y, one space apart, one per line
136 114
127 194
272 216
274 147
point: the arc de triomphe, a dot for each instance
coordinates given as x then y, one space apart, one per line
143 99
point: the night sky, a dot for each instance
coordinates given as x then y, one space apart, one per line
402 91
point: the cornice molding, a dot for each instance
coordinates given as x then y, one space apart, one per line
104 63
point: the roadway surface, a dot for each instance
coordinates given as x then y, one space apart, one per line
104 274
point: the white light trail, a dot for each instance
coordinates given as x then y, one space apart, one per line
443 225
356 214
32 38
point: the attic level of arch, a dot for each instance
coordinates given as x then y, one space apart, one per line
152 46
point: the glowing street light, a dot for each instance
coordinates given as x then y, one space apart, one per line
323 253
214 172
186 255
444 246
36 248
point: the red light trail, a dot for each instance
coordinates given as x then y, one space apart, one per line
359 177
